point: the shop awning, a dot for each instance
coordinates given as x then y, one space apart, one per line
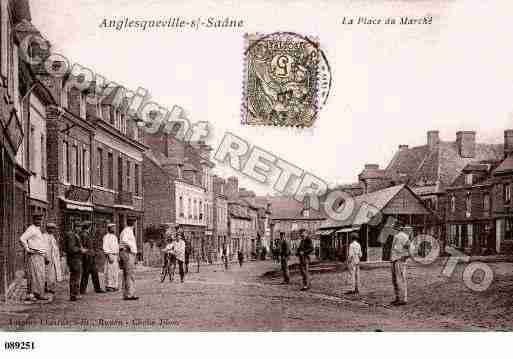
350 229
324 232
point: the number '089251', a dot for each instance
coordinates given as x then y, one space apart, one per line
19 345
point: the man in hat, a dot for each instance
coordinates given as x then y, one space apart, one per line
353 263
53 266
111 250
303 252
89 260
127 256
35 246
74 252
284 258
399 256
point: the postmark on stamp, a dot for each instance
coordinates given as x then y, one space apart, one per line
286 80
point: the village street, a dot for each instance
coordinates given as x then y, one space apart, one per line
240 299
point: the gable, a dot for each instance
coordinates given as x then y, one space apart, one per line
405 202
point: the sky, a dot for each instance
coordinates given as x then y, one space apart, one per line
390 83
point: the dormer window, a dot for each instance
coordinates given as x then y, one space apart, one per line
469 179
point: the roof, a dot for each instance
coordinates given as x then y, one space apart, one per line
283 207
506 166
439 166
160 159
378 200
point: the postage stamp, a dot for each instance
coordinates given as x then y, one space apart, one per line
282 80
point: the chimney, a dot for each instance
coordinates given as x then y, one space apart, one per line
433 139
466 142
508 143
371 166
403 147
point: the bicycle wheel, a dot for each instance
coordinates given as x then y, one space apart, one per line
163 274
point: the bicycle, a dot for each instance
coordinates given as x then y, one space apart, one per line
169 267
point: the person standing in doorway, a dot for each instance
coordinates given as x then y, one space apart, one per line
127 256
353 263
111 250
284 258
303 252
89 267
53 267
35 246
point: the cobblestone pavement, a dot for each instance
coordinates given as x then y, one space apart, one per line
215 300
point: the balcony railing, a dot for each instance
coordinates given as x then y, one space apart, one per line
125 198
79 194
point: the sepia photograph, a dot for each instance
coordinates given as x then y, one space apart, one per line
261 168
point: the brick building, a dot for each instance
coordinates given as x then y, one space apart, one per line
220 217
14 178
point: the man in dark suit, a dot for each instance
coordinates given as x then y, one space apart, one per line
284 258
303 252
74 251
89 260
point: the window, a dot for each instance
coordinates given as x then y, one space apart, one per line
136 178
120 174
76 166
453 203
180 206
100 166
128 176
486 204
200 210
195 209
110 169
507 193
189 208
85 166
43 156
468 179
32 151
468 203
65 162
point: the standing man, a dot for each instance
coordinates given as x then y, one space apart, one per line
127 256
53 267
353 263
35 246
225 256
188 249
179 249
111 250
303 252
240 257
89 260
399 256
74 252
284 258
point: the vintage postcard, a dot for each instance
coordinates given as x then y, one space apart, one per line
257 166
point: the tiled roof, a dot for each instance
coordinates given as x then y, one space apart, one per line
377 200
505 166
441 165
283 207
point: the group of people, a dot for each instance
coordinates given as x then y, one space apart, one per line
79 246
399 254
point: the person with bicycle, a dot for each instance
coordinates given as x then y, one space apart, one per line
169 259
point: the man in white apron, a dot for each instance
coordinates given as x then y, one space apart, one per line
111 250
35 246
53 266
399 257
127 255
